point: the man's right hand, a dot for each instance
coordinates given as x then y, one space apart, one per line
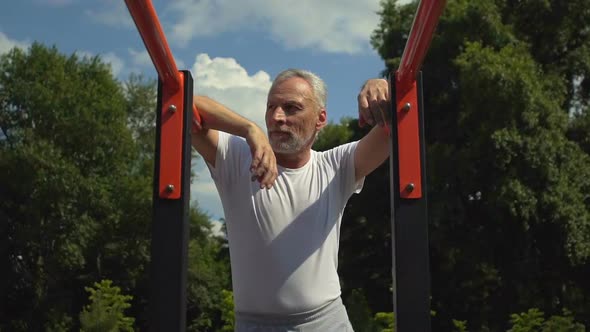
264 162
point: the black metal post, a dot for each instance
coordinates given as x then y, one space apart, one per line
169 250
409 227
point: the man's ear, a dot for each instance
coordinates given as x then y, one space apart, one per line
322 119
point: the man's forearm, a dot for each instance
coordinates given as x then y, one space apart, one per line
216 116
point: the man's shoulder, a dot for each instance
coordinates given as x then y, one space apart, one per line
339 149
335 155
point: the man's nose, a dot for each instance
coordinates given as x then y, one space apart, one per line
278 114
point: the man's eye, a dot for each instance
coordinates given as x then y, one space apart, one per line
291 107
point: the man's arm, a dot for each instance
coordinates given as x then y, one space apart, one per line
214 117
373 149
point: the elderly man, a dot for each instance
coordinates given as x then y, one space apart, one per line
283 201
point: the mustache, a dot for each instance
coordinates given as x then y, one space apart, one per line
279 131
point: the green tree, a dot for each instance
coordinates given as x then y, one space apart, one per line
580 127
227 311
105 312
564 323
507 163
459 325
141 97
359 312
385 321
333 135
63 160
365 241
208 275
534 320
76 167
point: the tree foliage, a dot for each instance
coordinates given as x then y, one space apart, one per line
106 311
63 168
227 312
208 276
506 112
333 135
534 320
76 167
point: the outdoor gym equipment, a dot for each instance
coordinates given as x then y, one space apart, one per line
177 115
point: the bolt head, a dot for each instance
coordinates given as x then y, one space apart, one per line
170 188
172 108
410 187
406 107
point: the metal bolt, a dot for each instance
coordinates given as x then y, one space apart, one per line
172 108
170 188
406 108
410 187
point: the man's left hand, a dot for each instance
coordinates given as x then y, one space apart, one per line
373 102
264 162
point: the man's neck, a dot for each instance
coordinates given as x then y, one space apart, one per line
293 160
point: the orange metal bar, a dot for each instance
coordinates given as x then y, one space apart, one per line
149 27
408 126
408 133
170 179
151 32
419 40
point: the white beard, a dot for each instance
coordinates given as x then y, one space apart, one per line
293 144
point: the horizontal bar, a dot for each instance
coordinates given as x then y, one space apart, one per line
151 32
421 34
149 27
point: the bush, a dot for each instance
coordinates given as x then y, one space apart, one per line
534 320
106 309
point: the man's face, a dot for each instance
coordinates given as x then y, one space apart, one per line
292 116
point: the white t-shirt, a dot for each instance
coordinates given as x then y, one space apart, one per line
284 241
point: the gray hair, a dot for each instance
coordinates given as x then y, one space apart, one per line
318 86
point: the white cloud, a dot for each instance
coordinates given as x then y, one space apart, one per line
216 228
117 64
342 26
6 44
335 26
226 81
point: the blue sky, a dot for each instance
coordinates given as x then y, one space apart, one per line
233 48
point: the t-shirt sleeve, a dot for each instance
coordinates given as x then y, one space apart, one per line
341 159
231 153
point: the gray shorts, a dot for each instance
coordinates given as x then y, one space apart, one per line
329 318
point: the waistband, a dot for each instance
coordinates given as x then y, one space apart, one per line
292 319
